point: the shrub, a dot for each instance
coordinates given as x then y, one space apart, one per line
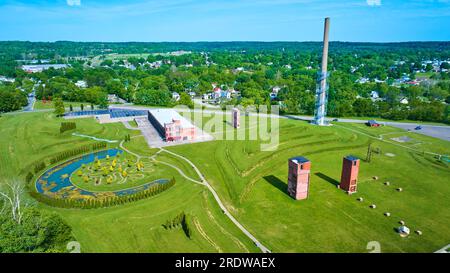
102 202
67 126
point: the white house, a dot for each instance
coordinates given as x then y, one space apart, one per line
81 84
374 95
5 79
207 96
404 100
276 89
363 80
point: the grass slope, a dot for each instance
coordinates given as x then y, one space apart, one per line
253 186
135 227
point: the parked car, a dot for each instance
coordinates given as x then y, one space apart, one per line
418 128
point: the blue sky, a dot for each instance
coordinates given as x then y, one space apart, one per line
224 20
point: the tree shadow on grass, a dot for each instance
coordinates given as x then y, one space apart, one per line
277 183
327 178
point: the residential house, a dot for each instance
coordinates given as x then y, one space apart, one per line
175 96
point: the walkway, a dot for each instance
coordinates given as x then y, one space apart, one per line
221 205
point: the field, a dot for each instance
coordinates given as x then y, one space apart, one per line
135 227
252 185
40 105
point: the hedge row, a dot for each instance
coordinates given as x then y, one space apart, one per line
80 150
102 202
181 220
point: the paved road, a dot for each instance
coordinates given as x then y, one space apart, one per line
437 131
31 100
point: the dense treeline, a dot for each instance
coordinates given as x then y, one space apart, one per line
290 66
104 201
77 151
11 99
38 231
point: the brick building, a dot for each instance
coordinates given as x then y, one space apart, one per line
299 177
171 125
349 176
236 117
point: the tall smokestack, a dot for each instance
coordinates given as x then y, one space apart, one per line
321 93
325 45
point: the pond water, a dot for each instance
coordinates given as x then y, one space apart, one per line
56 182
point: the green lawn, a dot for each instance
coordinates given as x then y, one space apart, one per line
135 227
252 184
39 105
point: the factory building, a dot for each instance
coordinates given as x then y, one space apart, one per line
349 176
299 177
171 125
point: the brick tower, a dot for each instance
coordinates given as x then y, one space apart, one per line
298 177
349 177
236 118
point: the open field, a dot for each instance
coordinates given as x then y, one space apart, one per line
134 227
253 186
40 105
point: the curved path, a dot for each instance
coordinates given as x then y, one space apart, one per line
221 205
210 188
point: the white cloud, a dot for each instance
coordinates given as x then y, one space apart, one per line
374 2
74 2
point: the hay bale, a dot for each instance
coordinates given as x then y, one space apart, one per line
360 199
373 206
375 178
401 222
399 189
418 232
387 214
387 183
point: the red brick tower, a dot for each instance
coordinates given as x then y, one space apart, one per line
236 117
349 177
298 177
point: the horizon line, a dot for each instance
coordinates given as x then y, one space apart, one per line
231 41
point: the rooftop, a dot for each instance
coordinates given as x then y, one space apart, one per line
352 158
164 116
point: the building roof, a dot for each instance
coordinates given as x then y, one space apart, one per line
44 66
164 116
372 122
352 158
299 159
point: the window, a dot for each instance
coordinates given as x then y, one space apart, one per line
354 163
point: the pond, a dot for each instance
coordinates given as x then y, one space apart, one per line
56 182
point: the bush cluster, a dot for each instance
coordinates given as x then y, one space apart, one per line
181 220
67 126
